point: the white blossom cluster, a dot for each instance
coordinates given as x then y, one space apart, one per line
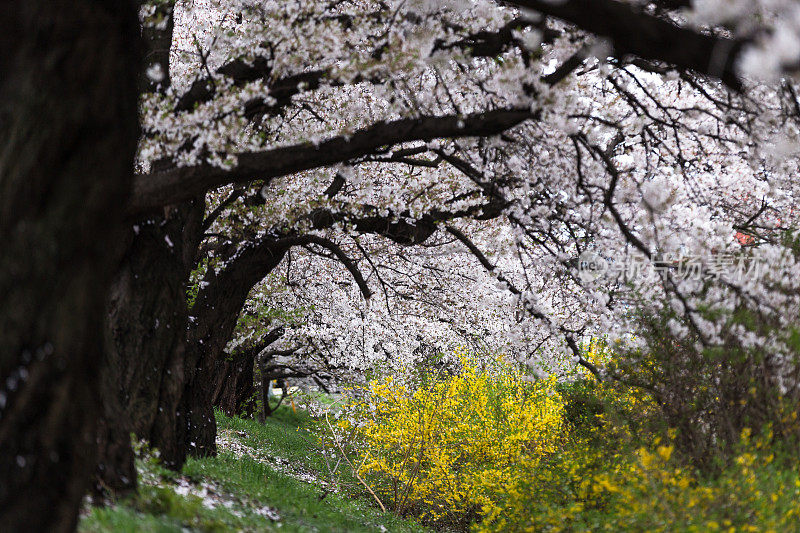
622 158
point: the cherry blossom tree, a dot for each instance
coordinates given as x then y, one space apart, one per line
432 173
365 77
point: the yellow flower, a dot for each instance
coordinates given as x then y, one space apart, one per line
664 452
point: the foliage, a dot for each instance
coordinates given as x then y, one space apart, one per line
487 449
598 483
448 450
196 282
710 393
620 467
603 421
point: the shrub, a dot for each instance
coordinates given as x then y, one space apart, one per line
710 393
604 423
488 448
450 450
651 489
618 468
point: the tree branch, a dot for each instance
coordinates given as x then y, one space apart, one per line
174 185
209 220
633 31
573 346
344 259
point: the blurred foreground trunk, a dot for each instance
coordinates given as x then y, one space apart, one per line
68 133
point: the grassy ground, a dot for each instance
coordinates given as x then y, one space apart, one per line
266 478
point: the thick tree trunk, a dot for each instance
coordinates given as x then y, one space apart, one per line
234 379
215 313
266 388
147 322
234 385
68 131
147 327
200 426
207 341
142 371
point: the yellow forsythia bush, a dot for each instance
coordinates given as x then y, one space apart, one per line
490 450
650 489
450 450
617 471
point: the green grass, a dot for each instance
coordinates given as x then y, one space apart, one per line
283 446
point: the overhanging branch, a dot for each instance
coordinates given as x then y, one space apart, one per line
633 31
343 258
174 185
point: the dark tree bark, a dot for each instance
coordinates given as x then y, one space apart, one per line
234 377
146 328
68 133
270 373
234 385
147 317
634 31
266 407
215 314
165 187
157 41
